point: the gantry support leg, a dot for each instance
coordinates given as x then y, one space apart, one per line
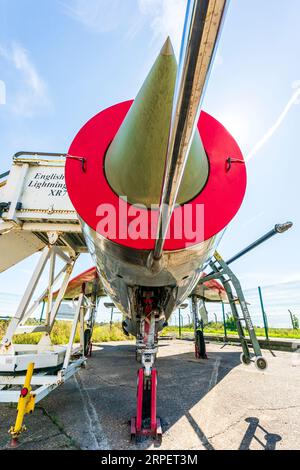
91 318
25 311
25 406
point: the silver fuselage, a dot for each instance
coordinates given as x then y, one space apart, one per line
122 270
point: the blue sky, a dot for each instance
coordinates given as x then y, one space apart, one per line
63 61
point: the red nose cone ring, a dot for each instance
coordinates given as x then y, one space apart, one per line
88 188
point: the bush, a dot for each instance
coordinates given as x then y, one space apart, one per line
62 330
231 323
103 334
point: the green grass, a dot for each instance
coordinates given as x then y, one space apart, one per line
103 333
218 329
61 333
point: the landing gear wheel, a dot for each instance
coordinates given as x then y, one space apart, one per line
146 400
245 360
87 342
261 363
200 345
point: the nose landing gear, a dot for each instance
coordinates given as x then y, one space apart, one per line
146 423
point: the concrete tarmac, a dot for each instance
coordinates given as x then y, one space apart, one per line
208 404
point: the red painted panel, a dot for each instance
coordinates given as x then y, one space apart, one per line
153 400
221 197
139 402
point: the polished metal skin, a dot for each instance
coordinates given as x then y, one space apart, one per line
135 160
200 37
123 270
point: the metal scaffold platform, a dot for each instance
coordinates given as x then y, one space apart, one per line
36 215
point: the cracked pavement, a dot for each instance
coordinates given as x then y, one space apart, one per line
209 405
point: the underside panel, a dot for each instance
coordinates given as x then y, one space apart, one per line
16 245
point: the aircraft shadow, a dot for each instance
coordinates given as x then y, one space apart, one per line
182 383
96 406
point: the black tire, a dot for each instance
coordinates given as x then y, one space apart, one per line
147 402
201 344
261 363
244 360
124 325
87 341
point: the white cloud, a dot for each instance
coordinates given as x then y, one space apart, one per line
253 219
219 59
99 16
267 136
166 19
2 92
31 94
251 279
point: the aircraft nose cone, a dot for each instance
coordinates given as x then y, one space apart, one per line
135 160
167 48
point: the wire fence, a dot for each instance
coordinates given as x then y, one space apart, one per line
281 303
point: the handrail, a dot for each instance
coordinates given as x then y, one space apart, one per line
38 154
3 175
22 153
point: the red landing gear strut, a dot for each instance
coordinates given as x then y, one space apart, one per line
146 422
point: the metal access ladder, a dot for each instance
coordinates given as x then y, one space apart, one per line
234 291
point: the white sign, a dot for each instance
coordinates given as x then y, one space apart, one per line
45 188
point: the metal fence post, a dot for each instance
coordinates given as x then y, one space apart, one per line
179 324
111 318
265 319
224 321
